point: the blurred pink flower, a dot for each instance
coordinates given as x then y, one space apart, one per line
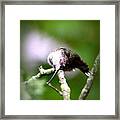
37 46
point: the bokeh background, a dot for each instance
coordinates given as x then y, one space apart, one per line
39 37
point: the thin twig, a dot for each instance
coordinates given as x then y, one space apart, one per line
54 88
41 72
89 82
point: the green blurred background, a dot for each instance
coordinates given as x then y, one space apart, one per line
39 37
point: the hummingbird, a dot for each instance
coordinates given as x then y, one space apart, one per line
66 60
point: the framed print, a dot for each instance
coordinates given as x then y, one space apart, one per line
60 59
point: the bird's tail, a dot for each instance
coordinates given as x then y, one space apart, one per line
83 67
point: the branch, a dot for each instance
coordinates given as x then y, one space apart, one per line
41 72
64 86
89 82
